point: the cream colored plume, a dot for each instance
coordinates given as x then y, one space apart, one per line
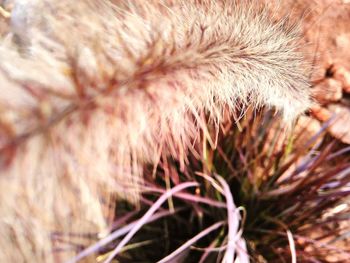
93 90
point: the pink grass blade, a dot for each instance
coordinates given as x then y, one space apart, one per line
193 240
116 234
292 246
242 252
147 216
233 219
190 197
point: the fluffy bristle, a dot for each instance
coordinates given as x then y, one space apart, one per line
93 90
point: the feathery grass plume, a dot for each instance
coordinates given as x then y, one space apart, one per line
93 90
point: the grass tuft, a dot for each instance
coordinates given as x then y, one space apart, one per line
258 196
